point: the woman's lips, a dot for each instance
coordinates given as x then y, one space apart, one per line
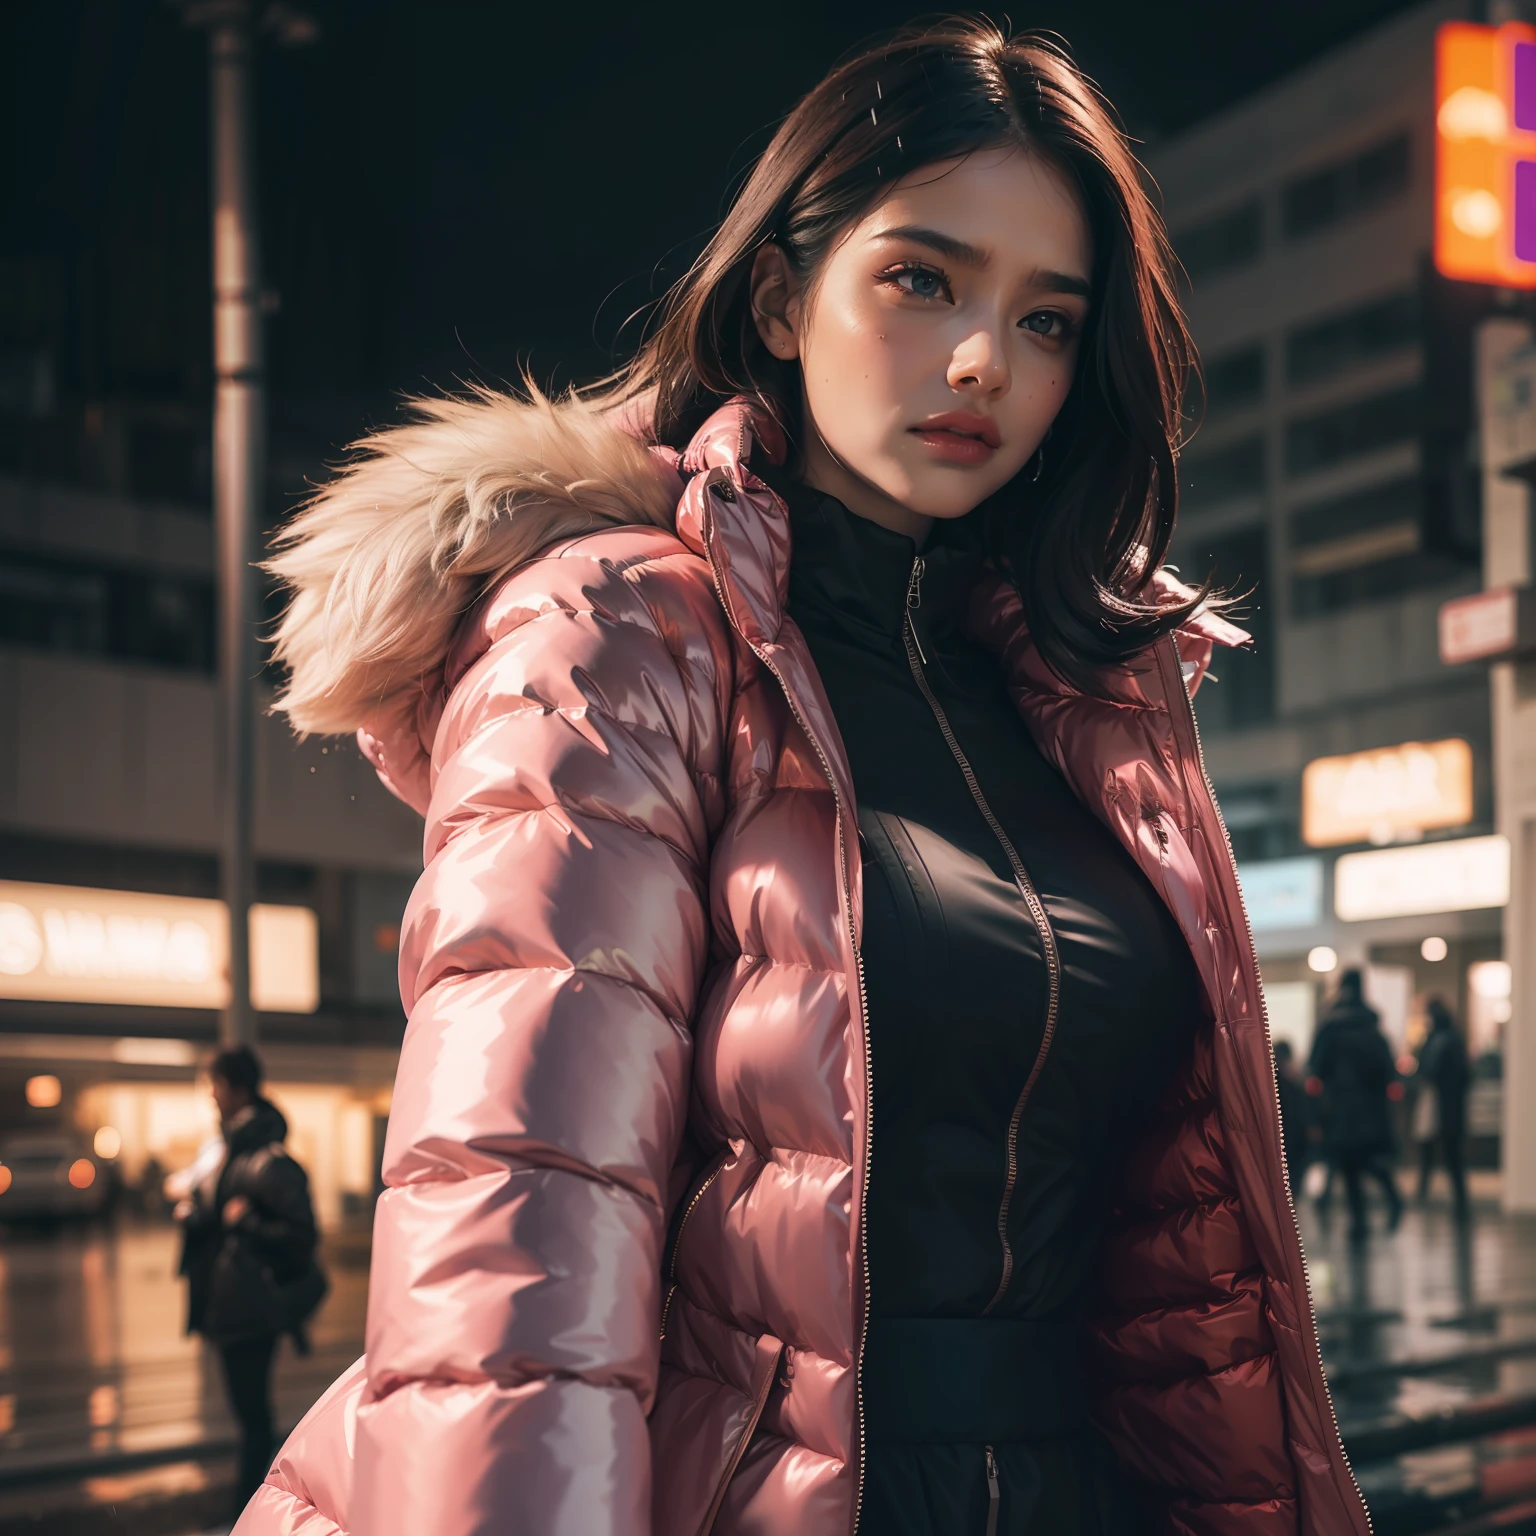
954 447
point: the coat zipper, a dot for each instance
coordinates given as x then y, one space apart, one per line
1317 1348
916 660
727 493
677 1241
994 1493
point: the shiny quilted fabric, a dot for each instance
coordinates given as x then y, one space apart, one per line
632 981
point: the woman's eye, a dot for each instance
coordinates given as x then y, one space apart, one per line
920 282
1049 323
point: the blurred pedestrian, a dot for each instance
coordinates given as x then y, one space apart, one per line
1293 1113
248 1253
1353 1066
1440 1115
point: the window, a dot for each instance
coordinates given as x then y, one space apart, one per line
1223 475
1346 187
1230 239
1346 431
1243 690
171 463
1365 546
1234 381
55 605
1343 341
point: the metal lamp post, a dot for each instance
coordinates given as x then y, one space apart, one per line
239 432
239 449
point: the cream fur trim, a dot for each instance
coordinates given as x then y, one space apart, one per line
384 561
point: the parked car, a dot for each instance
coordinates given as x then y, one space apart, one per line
47 1176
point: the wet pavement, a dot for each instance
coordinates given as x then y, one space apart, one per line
1429 1341
111 1420
106 1406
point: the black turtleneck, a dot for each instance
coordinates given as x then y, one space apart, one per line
956 983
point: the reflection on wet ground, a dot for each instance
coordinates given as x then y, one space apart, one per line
1429 1340
106 1408
99 1386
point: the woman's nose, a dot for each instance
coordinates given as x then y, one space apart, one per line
979 363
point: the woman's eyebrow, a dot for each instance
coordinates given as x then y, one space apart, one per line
973 256
963 251
1063 282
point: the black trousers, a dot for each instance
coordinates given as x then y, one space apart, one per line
1452 1148
1357 1165
248 1384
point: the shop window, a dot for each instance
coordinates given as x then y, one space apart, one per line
1230 239
1345 187
1341 432
1355 337
1224 474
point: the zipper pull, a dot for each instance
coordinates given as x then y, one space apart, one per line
915 584
994 1493
915 601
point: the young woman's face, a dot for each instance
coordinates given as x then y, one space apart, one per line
938 340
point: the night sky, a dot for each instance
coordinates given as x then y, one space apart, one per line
451 189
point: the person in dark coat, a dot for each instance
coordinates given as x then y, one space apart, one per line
248 1255
1352 1063
1445 1072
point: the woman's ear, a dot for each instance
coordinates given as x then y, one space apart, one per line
776 302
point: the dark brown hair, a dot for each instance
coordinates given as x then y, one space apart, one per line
1083 541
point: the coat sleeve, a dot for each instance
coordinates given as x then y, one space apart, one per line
550 960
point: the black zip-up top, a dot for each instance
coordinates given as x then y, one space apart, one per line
1029 999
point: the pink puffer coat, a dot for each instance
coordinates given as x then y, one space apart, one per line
637 932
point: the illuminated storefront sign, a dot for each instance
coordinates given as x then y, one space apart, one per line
69 944
1459 876
1485 153
1282 893
1377 796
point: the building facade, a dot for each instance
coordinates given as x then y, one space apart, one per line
110 931
1334 476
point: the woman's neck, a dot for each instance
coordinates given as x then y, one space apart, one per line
823 471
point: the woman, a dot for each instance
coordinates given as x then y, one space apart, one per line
828 960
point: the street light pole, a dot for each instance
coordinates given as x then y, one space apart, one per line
239 432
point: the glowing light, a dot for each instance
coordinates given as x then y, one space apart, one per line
82 1173
1472 113
1485 153
1475 211
1322 959
1490 978
44 1091
1458 876
1379 795
101 1406
1407 1064
1434 949
5 1178
107 1143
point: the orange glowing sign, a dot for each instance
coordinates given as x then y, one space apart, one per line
1485 153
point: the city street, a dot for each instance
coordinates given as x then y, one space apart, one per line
114 1421
109 1415
1033 544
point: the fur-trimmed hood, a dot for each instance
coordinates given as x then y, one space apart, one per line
383 562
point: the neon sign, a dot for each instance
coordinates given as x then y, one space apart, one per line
1485 153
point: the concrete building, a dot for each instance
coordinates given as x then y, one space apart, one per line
1336 474
108 836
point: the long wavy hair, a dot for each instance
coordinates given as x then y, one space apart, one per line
1083 541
